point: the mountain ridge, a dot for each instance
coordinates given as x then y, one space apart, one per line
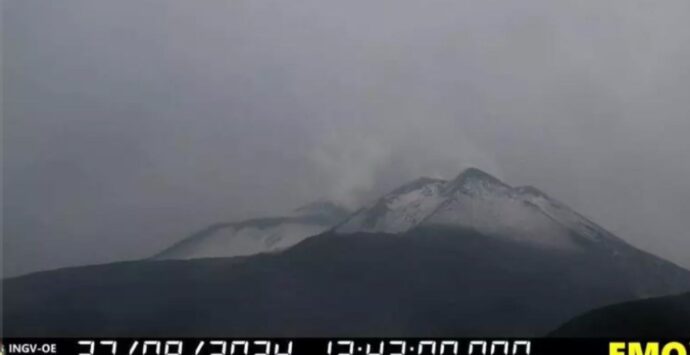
468 257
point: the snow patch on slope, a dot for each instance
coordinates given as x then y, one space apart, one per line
233 241
399 210
563 214
260 235
503 216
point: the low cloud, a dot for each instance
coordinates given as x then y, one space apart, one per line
130 124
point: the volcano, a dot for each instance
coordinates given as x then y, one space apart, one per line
471 256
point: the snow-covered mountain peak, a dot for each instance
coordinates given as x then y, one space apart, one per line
479 201
475 174
411 204
399 210
474 181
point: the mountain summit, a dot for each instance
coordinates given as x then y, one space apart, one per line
478 201
476 176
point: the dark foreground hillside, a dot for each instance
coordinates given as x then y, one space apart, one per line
662 317
428 282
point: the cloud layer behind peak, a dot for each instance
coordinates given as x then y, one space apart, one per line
130 124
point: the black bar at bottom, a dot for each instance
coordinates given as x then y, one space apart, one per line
343 346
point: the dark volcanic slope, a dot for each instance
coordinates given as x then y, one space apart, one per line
429 282
662 317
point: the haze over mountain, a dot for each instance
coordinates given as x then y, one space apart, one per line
471 256
128 124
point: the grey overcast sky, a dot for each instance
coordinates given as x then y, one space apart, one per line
129 124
